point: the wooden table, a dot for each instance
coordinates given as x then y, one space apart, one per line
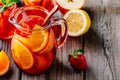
101 44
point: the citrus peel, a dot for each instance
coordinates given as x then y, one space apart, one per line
4 63
78 22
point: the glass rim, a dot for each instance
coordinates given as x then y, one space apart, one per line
17 12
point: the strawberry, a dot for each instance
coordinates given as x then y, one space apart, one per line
77 60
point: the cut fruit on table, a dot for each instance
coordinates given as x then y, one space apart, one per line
4 63
65 5
22 56
78 22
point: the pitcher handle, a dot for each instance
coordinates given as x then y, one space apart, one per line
60 29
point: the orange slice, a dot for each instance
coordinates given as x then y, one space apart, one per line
50 43
36 41
4 63
22 56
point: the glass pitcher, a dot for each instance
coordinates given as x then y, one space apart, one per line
36 38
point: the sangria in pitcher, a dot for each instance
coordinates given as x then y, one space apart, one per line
35 40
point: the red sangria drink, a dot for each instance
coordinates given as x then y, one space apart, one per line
6 28
48 4
34 43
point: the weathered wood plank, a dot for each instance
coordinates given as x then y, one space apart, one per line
102 41
33 77
62 69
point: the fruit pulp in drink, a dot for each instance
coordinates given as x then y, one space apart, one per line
40 44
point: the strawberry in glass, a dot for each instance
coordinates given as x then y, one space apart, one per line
6 28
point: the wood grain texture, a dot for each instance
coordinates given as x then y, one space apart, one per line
101 44
13 73
102 41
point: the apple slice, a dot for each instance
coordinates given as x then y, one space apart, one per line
65 5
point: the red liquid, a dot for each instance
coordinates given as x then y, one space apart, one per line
28 19
48 4
6 28
43 58
41 62
31 39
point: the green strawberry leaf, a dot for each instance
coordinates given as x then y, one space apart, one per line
76 53
7 4
3 2
11 2
2 8
80 50
75 56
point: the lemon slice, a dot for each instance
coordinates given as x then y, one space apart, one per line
78 22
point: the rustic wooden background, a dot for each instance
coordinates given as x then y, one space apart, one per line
101 44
